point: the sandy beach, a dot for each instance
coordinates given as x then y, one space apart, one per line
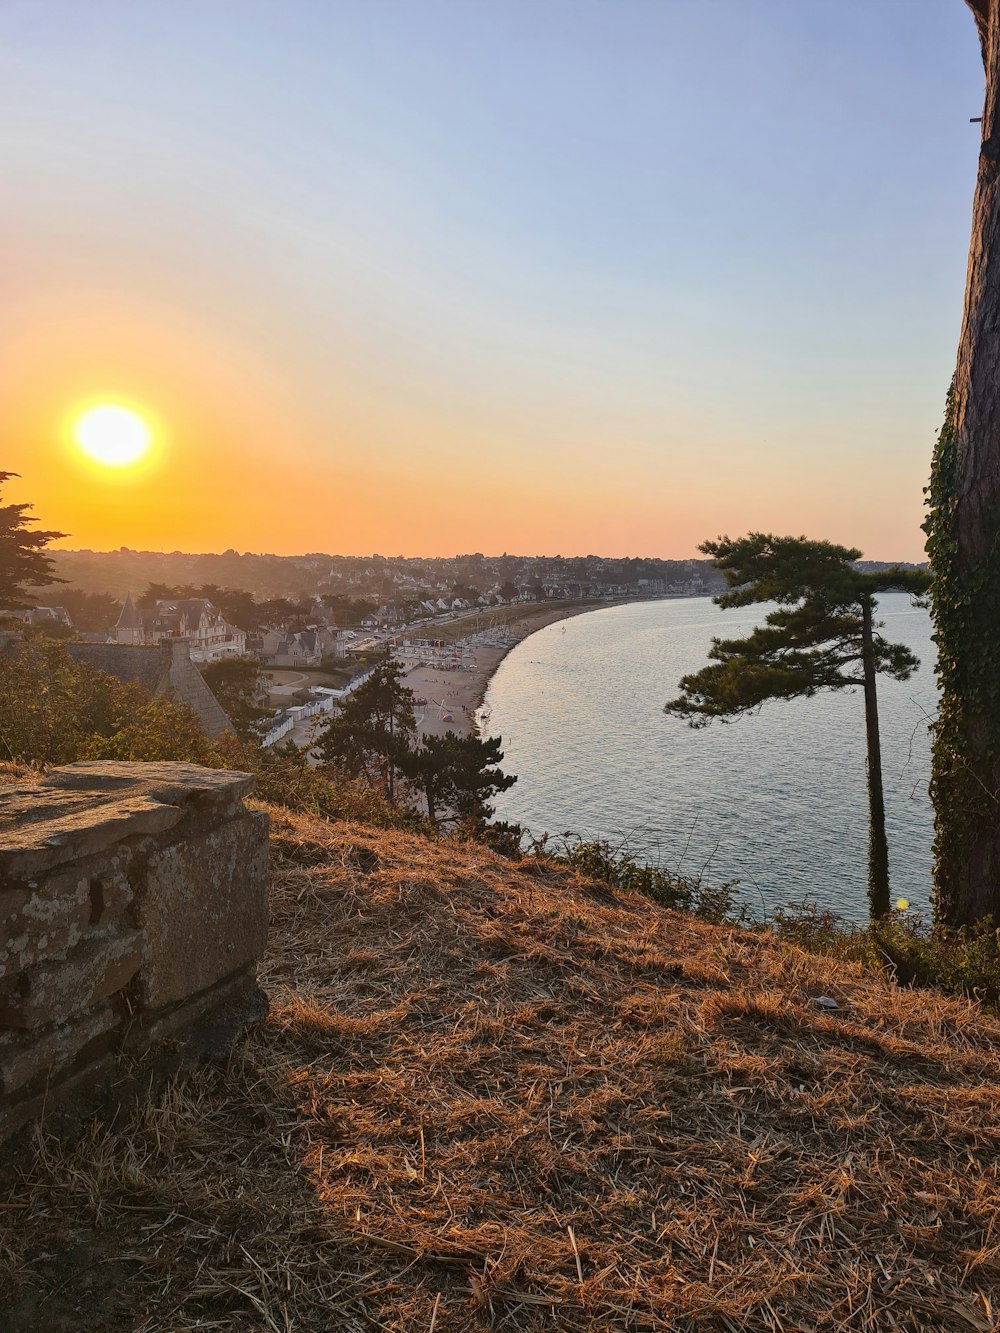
454 683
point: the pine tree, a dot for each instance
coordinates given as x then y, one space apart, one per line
23 563
822 636
372 734
458 775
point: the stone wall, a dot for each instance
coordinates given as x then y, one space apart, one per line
133 909
163 669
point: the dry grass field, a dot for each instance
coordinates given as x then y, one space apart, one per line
500 1097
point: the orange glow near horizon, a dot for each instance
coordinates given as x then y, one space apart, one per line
246 453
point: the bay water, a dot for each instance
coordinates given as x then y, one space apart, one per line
776 799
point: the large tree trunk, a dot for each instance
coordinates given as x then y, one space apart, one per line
977 375
964 545
878 847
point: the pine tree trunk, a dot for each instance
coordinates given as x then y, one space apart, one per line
964 545
391 776
878 848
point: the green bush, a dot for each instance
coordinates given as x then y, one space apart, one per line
504 839
618 868
54 710
285 778
963 961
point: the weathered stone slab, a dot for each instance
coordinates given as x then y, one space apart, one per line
41 828
52 991
170 782
47 917
203 910
84 808
26 1057
150 877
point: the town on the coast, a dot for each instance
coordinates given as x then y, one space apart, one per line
317 624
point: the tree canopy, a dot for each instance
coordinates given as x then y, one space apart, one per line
54 710
458 775
814 639
23 562
372 734
240 685
87 610
821 636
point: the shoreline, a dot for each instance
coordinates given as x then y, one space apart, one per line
454 696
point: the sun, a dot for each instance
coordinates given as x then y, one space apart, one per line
112 435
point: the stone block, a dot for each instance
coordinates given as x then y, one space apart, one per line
86 808
109 892
50 992
27 1057
48 918
203 910
146 876
170 781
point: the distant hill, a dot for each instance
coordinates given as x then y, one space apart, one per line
297 577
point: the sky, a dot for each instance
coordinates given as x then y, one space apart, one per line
429 276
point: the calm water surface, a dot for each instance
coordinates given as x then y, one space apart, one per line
777 799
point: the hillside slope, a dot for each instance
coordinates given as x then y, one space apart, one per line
498 1097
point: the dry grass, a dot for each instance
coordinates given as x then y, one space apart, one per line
495 1097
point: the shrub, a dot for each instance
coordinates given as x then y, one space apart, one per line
617 867
504 839
961 961
54 710
284 777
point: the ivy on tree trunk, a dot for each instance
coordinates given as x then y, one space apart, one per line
963 531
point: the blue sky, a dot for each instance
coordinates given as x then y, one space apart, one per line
548 276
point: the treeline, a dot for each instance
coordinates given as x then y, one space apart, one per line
117 572
90 611
243 610
238 606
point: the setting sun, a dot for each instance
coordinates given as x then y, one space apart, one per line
112 435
